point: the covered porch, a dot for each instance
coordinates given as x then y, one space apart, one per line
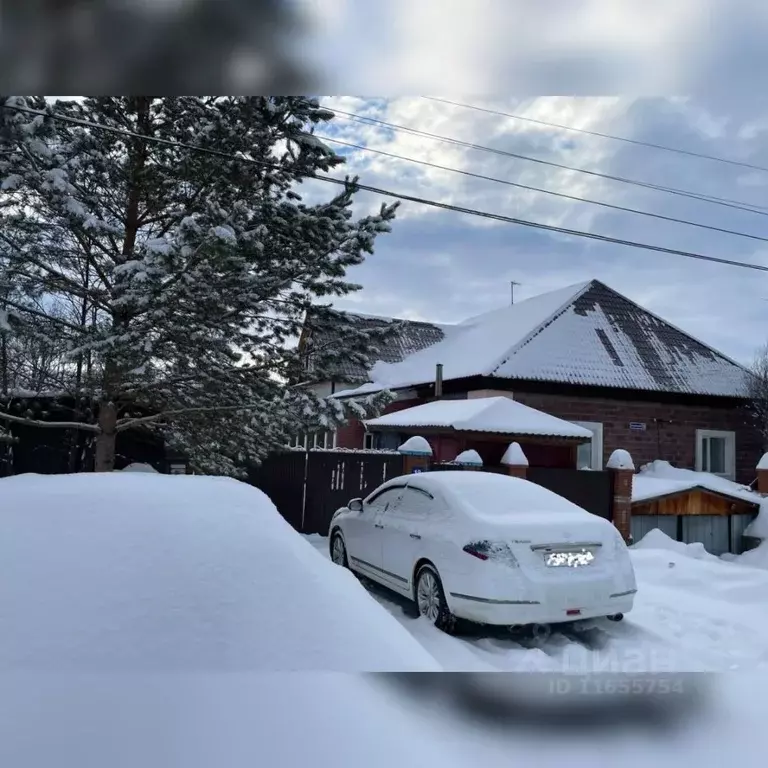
486 425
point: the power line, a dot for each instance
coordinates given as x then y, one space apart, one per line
601 135
737 204
546 191
401 196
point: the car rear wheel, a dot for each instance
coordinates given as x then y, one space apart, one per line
430 599
339 551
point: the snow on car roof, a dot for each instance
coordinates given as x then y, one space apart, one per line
143 572
494 491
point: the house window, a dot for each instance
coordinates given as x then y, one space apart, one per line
716 452
369 441
590 455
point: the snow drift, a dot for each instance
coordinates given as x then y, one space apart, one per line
156 573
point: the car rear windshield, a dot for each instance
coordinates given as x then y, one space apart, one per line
500 495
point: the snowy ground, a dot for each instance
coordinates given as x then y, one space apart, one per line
693 612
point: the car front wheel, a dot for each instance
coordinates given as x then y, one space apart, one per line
430 599
339 551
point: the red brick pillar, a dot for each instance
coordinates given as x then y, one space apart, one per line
417 453
623 469
762 475
515 460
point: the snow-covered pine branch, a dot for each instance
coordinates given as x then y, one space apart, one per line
173 283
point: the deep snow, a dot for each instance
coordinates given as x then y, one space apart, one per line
148 572
692 613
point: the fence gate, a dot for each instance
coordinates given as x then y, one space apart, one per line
592 491
308 487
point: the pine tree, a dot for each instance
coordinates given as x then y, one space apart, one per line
184 275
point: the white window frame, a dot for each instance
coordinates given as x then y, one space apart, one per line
730 451
596 428
368 441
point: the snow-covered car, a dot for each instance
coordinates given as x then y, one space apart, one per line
485 547
141 572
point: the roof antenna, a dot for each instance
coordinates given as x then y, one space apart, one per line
512 285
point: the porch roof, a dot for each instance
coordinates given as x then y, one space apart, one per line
499 415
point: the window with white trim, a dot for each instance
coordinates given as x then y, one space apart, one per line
716 452
590 455
369 441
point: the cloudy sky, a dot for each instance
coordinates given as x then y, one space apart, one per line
446 266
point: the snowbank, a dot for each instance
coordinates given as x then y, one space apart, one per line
139 468
660 478
756 558
759 526
657 539
156 573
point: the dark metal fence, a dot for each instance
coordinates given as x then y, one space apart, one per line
308 487
591 490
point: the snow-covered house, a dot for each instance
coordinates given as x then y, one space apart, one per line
584 354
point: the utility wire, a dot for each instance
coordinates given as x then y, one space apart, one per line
739 205
601 135
400 196
545 191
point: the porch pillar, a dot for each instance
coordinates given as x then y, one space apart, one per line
417 455
515 460
762 475
623 469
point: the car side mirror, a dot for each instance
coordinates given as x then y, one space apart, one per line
356 505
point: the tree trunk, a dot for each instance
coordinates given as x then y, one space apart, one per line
106 439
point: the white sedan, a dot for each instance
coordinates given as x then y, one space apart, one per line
485 547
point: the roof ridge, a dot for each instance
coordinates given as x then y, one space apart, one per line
543 324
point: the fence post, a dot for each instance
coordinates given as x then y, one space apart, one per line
515 460
469 460
623 469
417 455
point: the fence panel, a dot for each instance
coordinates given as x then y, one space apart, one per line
335 478
307 488
281 477
591 490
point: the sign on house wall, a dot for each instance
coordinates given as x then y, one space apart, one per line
637 426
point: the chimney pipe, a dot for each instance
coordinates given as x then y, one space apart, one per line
439 380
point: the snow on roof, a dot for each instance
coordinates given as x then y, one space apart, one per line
586 334
660 478
123 572
482 414
763 463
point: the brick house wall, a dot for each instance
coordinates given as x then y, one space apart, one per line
675 442
353 434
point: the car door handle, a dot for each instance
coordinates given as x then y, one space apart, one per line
415 536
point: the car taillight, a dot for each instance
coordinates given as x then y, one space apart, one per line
472 550
497 552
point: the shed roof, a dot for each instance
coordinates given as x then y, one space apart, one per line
501 415
659 479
